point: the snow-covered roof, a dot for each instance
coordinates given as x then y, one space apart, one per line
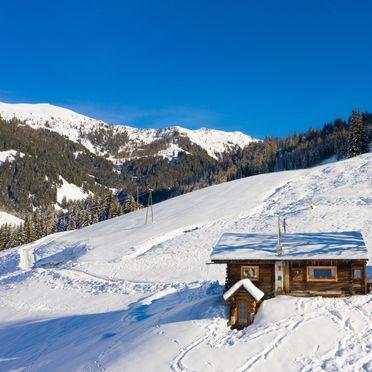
256 293
299 246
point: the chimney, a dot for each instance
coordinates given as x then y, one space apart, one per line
279 247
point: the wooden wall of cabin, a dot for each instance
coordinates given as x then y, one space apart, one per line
266 277
343 286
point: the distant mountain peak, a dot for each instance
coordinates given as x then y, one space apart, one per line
78 127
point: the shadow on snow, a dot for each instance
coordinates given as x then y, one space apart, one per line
78 340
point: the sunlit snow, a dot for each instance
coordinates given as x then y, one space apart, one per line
122 295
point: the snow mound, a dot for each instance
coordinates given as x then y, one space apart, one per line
256 293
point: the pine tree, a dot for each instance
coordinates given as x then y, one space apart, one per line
71 219
358 143
28 230
64 204
130 204
50 222
95 209
20 235
86 219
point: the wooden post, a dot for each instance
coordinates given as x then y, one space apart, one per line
286 278
149 205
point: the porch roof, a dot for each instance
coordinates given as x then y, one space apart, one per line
255 292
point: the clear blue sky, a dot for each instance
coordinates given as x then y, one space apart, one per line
262 67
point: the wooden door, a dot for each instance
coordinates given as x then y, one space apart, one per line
242 308
358 276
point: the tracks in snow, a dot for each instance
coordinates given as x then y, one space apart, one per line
351 351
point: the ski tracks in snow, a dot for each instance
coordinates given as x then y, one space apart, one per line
351 353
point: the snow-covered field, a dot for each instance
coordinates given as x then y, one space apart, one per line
125 296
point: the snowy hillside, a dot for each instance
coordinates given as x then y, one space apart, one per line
8 155
69 191
79 127
122 295
9 218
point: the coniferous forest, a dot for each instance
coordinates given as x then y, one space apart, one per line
28 185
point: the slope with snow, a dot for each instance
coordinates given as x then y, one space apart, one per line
69 191
122 295
9 218
76 127
9 155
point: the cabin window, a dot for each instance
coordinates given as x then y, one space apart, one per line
357 273
297 274
250 272
322 273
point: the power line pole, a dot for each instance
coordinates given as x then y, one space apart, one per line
149 205
137 198
284 226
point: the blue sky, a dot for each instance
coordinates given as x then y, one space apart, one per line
262 67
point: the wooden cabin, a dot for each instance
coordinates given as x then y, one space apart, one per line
302 264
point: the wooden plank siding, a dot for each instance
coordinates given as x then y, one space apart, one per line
341 287
265 282
295 285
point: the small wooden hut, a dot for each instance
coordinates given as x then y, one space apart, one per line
302 264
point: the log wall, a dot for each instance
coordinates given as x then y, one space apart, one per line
266 277
345 285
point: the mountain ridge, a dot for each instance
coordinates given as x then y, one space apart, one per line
78 127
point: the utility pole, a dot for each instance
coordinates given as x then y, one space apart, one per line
149 205
279 233
137 198
284 226
279 248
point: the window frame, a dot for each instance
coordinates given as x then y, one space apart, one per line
255 267
360 268
308 279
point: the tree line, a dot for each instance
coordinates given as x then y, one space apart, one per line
72 215
28 186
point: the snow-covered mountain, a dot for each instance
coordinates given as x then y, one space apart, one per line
78 127
122 295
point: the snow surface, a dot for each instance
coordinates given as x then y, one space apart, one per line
10 155
256 293
298 246
70 191
122 295
71 124
9 218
